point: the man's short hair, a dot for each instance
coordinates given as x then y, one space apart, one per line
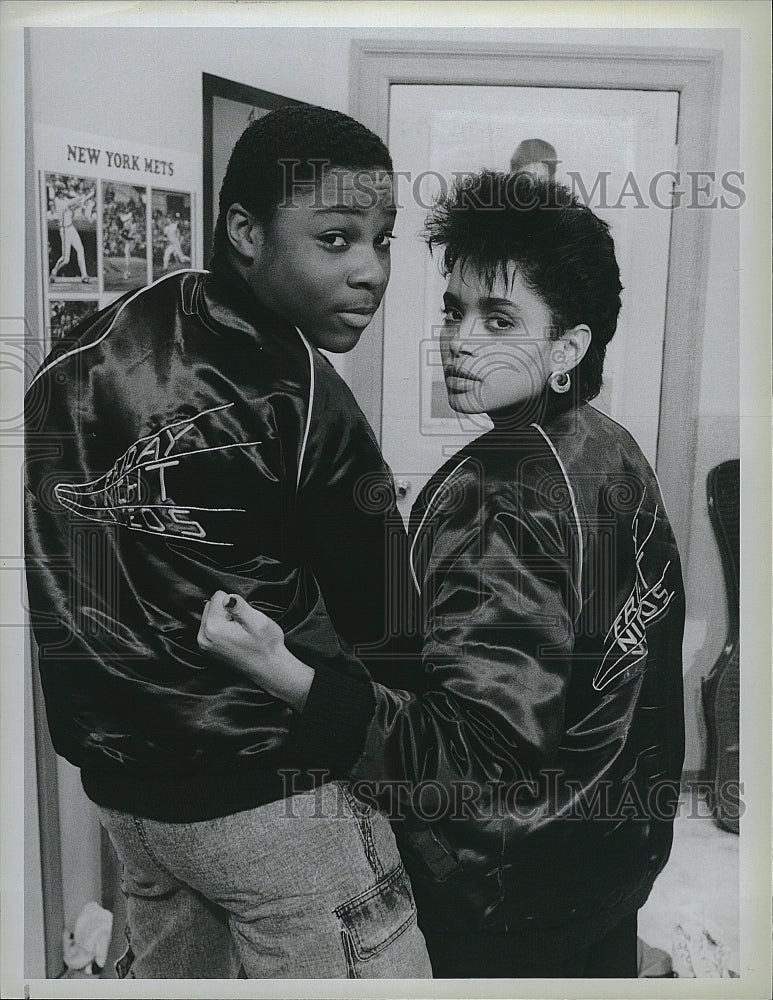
491 221
292 145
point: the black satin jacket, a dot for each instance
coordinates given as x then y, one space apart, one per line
190 440
533 779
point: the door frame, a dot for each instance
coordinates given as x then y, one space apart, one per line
696 75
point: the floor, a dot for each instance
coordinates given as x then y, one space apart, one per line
698 889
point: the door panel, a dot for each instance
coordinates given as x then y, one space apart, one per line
612 143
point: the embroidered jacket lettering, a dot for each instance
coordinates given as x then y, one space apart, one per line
135 492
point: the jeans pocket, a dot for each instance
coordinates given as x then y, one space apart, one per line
374 919
146 885
365 817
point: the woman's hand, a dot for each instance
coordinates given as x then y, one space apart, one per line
252 643
240 635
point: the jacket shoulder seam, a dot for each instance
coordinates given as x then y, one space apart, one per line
575 511
110 327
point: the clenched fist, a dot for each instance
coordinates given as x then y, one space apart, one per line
252 643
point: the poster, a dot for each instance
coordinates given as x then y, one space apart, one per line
114 216
229 107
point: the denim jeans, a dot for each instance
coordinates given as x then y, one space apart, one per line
308 887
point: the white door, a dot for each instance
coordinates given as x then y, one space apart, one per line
615 141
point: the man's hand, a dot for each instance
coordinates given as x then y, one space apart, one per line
252 643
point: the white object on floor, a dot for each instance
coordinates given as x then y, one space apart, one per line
696 954
87 945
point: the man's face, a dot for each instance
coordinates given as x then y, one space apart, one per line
495 342
325 261
538 169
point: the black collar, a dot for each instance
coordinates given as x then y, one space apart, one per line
230 303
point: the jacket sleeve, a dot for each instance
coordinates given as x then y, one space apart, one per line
496 654
350 532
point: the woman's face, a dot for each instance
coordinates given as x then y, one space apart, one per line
496 342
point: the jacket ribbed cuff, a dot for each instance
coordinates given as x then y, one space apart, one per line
330 731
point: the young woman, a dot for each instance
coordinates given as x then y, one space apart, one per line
533 774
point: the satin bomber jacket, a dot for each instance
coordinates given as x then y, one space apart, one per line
533 780
189 440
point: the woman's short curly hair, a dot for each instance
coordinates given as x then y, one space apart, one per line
493 221
292 146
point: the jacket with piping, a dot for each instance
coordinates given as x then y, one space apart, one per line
533 780
191 440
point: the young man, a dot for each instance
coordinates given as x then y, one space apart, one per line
537 772
195 434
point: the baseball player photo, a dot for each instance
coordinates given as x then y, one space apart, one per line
71 217
124 236
171 221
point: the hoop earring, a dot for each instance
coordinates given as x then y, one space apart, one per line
560 382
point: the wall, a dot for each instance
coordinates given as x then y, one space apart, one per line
34 945
146 86
718 422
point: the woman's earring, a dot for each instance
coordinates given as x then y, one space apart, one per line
560 382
